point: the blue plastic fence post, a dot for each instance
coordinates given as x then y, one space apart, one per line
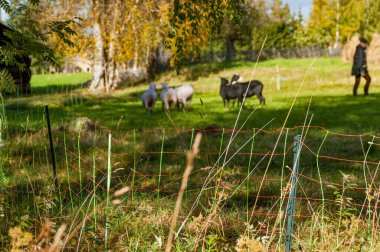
293 192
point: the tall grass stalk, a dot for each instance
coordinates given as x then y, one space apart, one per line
108 193
375 215
321 185
220 149
79 165
191 144
68 172
134 164
280 133
248 175
212 174
368 189
365 174
94 187
282 200
83 226
189 167
342 202
161 155
217 167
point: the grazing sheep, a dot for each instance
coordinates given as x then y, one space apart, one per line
238 90
255 88
230 92
149 98
184 95
168 96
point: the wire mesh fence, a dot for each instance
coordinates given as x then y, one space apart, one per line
254 167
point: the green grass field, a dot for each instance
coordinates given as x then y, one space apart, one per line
328 86
338 174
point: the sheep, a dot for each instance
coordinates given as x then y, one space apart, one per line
235 79
184 95
168 96
149 98
239 90
255 87
230 92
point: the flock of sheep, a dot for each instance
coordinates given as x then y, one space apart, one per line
238 90
176 96
184 94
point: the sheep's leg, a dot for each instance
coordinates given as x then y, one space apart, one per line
240 101
224 103
184 107
262 100
188 103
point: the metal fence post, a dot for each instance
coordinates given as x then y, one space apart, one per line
52 155
293 193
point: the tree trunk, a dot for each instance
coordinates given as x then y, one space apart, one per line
162 57
98 82
136 53
337 33
230 48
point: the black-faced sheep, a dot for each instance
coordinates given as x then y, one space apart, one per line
230 92
254 87
239 90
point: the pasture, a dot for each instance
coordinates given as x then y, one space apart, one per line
239 194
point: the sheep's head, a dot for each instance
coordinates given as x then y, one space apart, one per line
152 86
164 85
223 81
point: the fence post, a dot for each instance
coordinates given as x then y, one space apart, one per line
162 150
52 155
278 78
134 164
109 168
293 192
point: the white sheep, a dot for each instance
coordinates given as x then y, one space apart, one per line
149 98
168 96
184 95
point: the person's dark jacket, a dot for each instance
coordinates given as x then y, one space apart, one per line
360 61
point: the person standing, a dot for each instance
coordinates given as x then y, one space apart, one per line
359 68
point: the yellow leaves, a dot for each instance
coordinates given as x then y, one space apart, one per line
128 26
19 239
245 244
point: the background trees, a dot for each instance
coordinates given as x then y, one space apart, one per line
27 35
128 40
